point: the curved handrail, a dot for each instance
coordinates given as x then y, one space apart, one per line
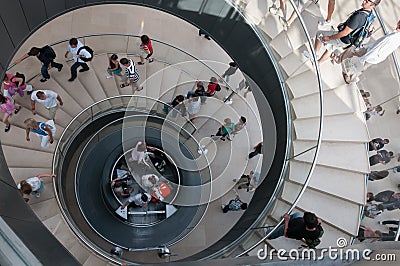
56 188
314 161
394 55
286 102
137 36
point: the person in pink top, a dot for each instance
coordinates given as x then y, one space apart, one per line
8 108
146 49
13 84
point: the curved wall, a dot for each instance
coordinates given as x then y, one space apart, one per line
227 30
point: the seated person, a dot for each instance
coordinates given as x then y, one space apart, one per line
121 188
249 181
138 200
158 159
149 181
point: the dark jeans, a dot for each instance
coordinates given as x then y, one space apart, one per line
45 72
281 229
75 66
255 152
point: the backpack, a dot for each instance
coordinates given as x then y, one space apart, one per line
48 52
315 242
359 37
89 50
218 88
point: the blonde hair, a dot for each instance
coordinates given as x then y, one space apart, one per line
30 123
227 121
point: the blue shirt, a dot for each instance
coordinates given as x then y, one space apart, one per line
41 130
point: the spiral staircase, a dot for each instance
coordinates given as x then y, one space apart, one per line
336 189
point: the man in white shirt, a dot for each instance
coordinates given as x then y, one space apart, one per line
354 62
139 200
48 99
73 48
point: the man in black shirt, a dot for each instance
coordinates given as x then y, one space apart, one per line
298 227
377 144
45 55
341 38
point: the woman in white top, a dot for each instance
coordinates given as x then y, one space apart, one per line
33 185
139 153
194 105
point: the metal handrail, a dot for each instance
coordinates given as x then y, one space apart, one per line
66 218
394 55
314 161
137 36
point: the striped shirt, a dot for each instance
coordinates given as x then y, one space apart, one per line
131 72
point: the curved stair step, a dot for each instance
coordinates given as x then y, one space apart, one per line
21 173
255 10
296 63
76 89
304 84
344 127
331 180
37 159
100 68
348 220
270 25
346 156
345 99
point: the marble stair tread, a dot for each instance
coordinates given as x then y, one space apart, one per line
76 89
347 156
153 81
296 63
169 82
20 174
100 65
270 25
33 157
44 209
185 83
331 180
303 84
255 10
91 83
341 100
348 220
282 44
343 128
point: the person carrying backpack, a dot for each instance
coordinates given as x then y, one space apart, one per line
300 226
46 55
344 37
355 61
81 54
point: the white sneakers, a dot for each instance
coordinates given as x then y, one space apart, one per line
276 11
324 22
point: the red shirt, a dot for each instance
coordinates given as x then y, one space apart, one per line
148 47
211 87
